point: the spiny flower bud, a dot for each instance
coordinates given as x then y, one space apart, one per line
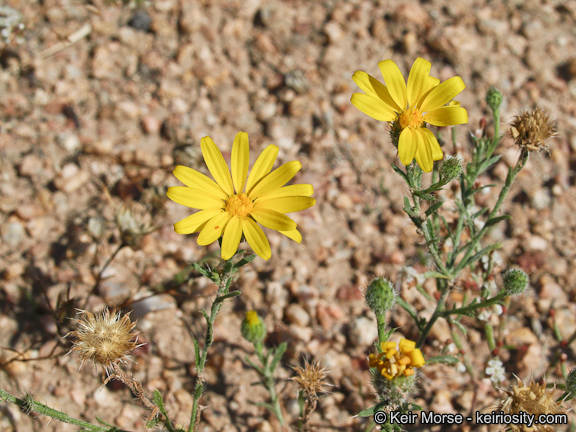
380 296
253 328
105 339
515 281
494 98
571 382
450 168
393 393
532 129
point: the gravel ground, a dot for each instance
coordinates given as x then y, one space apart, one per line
90 128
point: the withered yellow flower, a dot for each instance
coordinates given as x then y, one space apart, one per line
231 206
408 107
532 129
395 361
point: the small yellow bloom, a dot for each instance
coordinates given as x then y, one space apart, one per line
232 205
398 362
410 106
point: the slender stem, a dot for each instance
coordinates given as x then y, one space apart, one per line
512 173
223 288
381 322
29 405
269 381
444 290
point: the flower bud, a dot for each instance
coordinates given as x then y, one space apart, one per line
380 296
515 281
253 328
450 168
494 99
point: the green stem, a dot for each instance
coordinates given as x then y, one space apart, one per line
29 405
269 381
381 322
444 290
223 288
512 173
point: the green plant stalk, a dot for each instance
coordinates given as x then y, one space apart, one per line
512 173
267 373
381 322
29 405
223 287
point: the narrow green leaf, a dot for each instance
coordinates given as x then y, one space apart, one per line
246 260
436 275
278 353
446 359
495 220
369 412
203 271
251 363
479 213
433 208
266 405
229 295
400 172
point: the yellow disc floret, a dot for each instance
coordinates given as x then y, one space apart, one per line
239 205
411 118
392 363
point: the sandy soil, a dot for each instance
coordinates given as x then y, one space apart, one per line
91 127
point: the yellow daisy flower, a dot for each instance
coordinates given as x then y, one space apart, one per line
411 106
231 205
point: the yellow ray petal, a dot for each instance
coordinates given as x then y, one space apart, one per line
394 82
418 80
240 160
373 107
275 180
232 236
285 204
293 234
447 116
372 87
213 229
407 146
442 94
197 180
194 198
262 166
273 219
217 165
429 137
194 222
292 190
424 154
256 238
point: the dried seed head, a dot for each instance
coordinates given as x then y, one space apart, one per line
532 129
310 379
104 339
533 399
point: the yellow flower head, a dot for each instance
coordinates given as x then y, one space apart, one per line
410 106
392 362
232 205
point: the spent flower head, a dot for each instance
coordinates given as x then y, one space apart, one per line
533 399
396 361
532 129
310 379
231 206
410 106
105 339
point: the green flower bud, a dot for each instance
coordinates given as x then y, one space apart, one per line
515 281
571 382
253 328
494 98
380 296
450 168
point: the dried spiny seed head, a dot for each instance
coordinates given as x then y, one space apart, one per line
532 129
310 379
533 399
104 339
